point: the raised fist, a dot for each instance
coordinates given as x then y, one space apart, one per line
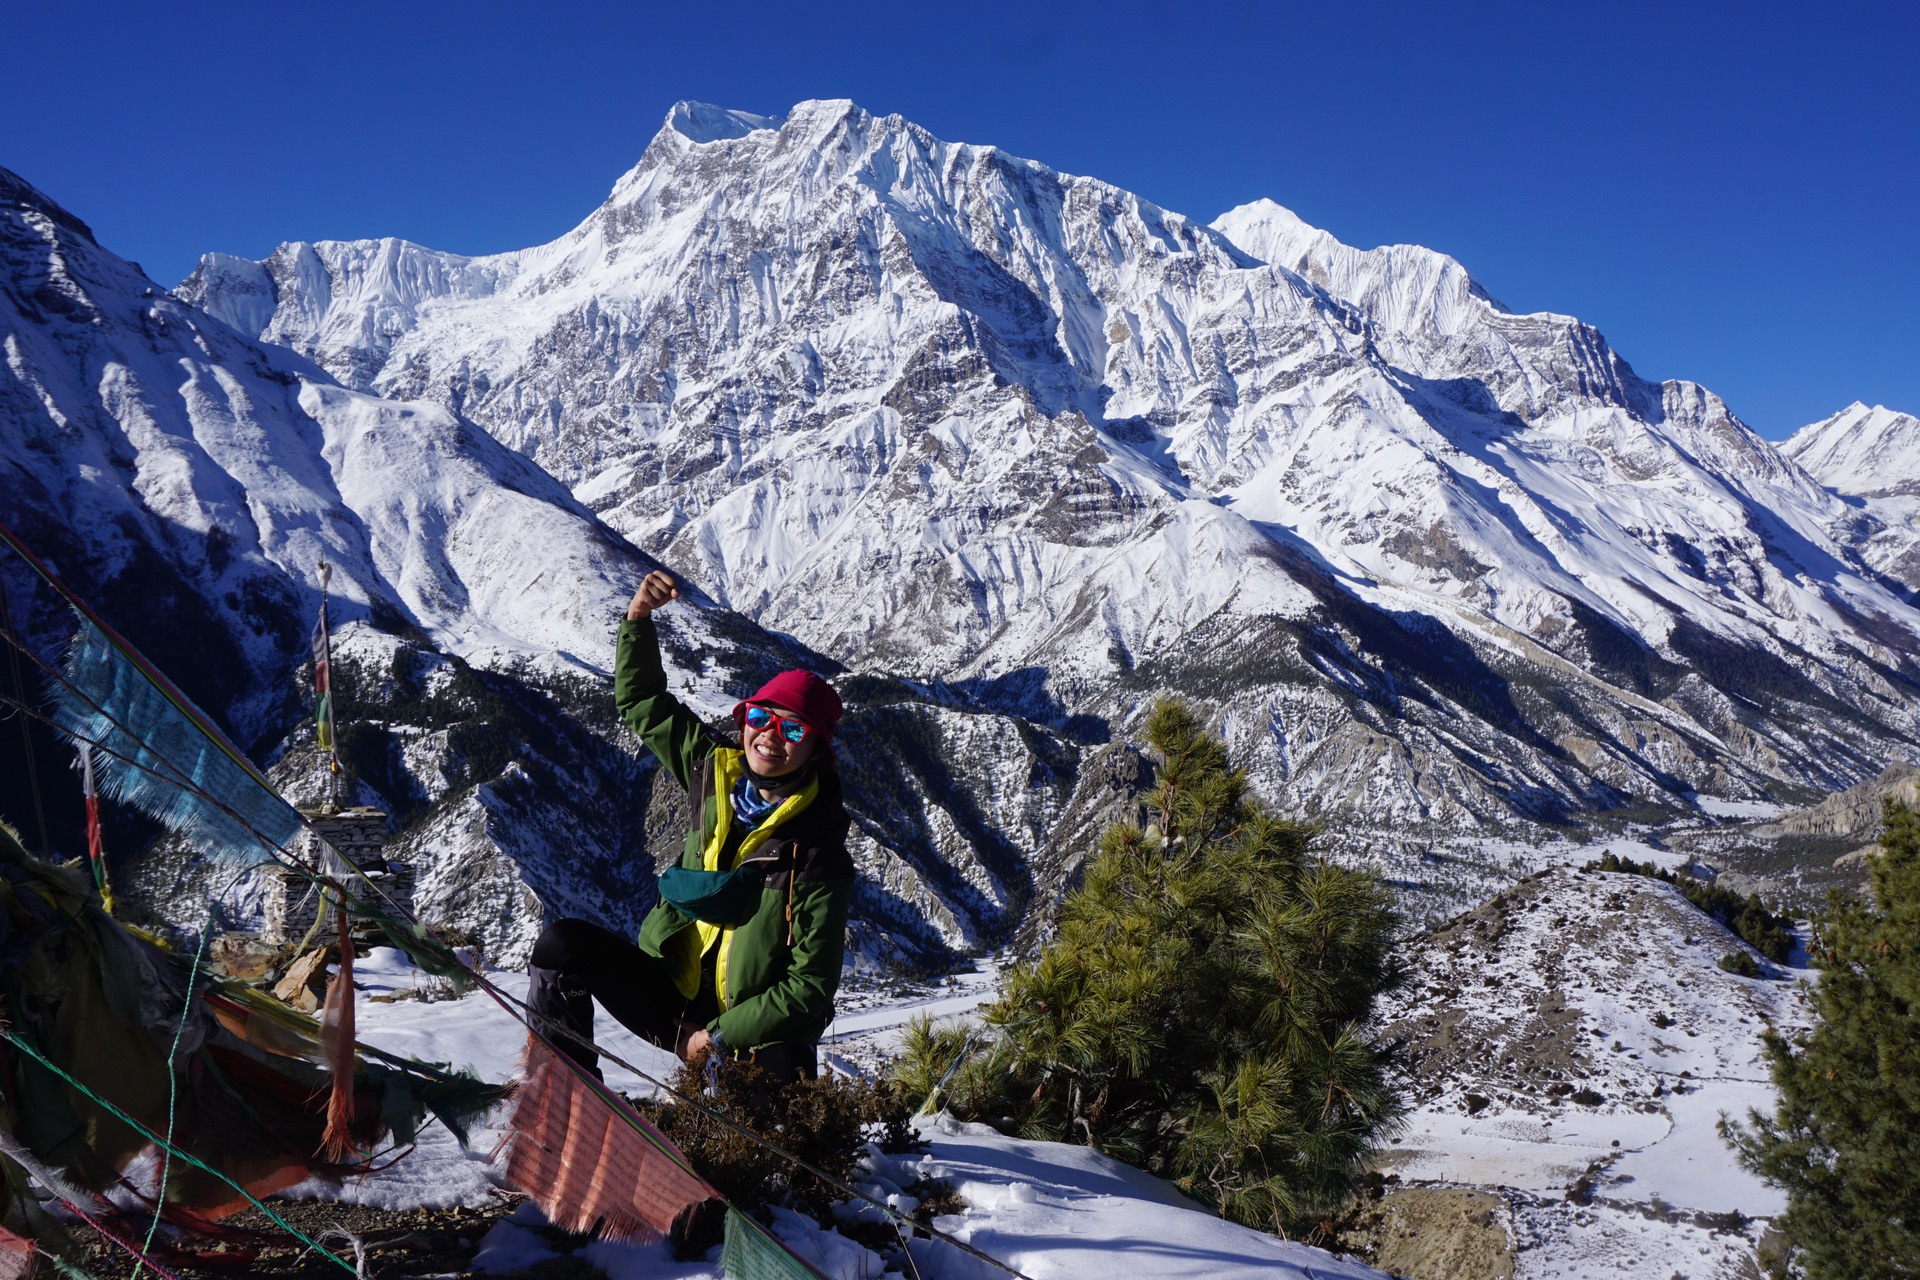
655 590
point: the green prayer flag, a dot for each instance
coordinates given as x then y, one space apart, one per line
752 1253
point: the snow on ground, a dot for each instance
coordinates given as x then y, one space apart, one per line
1053 1210
1570 1045
1557 1239
1049 1210
1581 1020
871 1016
1741 809
1573 1043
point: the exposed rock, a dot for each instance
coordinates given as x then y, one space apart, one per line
305 984
245 956
1433 1233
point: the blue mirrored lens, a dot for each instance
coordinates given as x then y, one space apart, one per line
791 730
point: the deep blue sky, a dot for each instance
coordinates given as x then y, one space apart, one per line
1730 192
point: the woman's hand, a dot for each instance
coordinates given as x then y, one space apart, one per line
698 1043
655 590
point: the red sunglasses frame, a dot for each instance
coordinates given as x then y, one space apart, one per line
778 723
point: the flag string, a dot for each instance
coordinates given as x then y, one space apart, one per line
166 687
14 1038
507 1001
417 935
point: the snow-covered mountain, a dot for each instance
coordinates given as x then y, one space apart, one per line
188 479
1871 458
938 410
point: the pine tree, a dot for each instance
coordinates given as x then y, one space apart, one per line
1197 1012
1845 1141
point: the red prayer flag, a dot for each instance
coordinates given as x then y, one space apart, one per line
336 1041
583 1156
16 1256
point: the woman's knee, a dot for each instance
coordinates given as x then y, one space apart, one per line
563 944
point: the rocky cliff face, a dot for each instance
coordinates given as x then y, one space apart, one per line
1007 451
188 479
939 410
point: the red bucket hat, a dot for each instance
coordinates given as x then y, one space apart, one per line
800 691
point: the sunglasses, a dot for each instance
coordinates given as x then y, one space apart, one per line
792 729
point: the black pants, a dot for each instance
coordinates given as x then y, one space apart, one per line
575 963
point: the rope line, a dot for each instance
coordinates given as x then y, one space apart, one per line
402 914
173 1053
894 1216
146 668
13 1038
139 1252
507 1001
26 736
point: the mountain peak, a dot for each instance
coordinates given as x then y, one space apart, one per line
21 194
1861 450
704 122
1409 287
1244 221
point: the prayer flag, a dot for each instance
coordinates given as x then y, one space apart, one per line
753 1253
583 1156
16 1256
163 755
322 683
336 1041
96 850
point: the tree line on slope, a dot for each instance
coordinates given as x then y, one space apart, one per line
1750 919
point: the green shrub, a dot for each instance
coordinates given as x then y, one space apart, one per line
1198 1012
826 1122
1844 1142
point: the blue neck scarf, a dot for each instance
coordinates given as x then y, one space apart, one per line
749 805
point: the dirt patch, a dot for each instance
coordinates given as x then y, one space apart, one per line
1433 1233
397 1244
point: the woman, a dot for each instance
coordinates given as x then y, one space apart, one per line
746 963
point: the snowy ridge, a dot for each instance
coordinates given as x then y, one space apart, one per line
1571 1045
938 410
135 412
188 479
1405 288
1870 453
1871 458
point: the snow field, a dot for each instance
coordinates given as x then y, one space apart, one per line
1573 1043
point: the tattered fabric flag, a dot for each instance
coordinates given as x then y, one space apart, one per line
754 1253
96 850
336 1041
583 1156
322 683
163 755
16 1256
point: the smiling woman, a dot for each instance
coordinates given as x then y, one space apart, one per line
742 955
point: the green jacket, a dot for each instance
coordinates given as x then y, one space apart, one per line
776 974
